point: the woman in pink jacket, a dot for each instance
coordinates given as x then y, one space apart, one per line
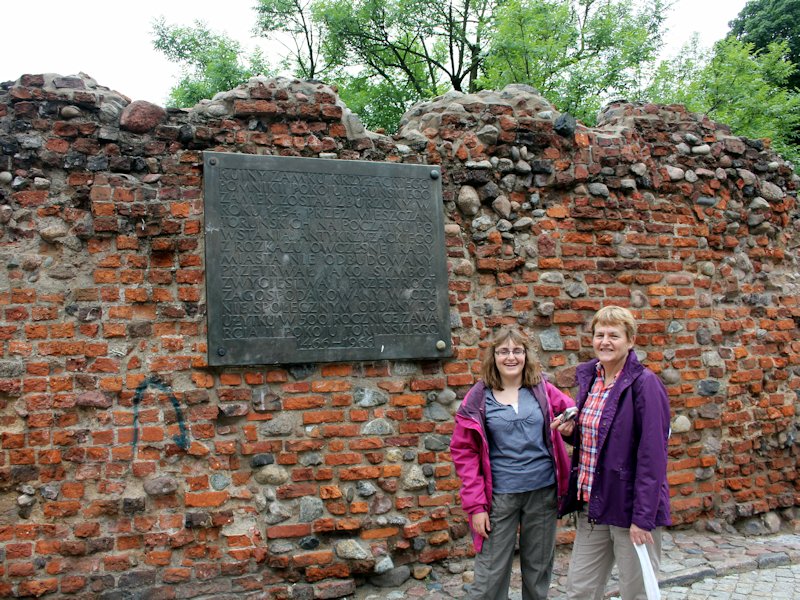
513 467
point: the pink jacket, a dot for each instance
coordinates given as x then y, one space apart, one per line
469 447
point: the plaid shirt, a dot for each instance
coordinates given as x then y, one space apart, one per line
589 424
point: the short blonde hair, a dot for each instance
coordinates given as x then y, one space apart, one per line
615 316
531 374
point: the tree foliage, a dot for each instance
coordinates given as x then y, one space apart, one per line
398 52
291 24
379 104
737 85
430 45
763 22
576 53
211 62
385 55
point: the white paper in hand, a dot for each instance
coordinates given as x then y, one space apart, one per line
650 581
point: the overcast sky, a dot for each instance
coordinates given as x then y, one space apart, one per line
112 42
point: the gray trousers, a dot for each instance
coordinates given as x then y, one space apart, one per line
534 514
593 554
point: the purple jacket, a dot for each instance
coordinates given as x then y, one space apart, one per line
469 447
630 483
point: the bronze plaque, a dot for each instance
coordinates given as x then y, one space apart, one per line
315 260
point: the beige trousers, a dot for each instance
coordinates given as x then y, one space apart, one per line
594 552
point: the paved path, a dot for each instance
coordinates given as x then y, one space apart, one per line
778 583
695 566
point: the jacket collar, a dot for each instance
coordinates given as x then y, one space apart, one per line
473 406
585 372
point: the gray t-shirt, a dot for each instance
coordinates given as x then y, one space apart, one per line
517 450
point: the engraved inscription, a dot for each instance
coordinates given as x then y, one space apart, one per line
326 260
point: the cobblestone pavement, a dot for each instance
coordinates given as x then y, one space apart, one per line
778 583
695 566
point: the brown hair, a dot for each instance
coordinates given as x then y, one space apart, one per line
615 316
531 374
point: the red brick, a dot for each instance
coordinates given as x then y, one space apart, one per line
296 490
71 584
288 531
303 402
358 473
17 551
206 499
61 509
337 370
176 575
337 570
37 587
322 557
323 416
330 386
375 534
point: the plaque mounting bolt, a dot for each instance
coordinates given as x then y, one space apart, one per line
221 351
434 174
441 345
212 161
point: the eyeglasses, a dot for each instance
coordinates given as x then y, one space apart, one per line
504 352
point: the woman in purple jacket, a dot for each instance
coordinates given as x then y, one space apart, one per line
618 482
513 468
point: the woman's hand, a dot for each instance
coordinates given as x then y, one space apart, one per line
564 428
640 536
481 525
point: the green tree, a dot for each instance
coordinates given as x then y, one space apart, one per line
386 55
291 24
379 103
576 53
391 54
737 85
672 80
210 62
763 22
430 45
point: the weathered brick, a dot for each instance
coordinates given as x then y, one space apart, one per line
37 587
206 499
288 531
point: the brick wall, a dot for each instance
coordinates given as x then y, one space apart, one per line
128 468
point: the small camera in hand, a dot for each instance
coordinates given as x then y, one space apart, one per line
568 415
